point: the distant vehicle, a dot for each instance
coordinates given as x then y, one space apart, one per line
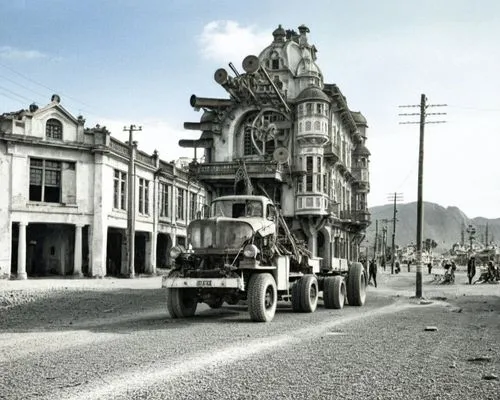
245 251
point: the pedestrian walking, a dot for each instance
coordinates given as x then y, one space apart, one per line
429 268
409 263
471 268
373 272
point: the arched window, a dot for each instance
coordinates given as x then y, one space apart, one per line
53 129
308 126
317 126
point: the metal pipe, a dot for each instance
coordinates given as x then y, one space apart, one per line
199 102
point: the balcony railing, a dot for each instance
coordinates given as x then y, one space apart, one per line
333 208
362 216
345 214
144 158
119 147
311 203
332 152
361 174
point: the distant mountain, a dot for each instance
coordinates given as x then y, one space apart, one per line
444 225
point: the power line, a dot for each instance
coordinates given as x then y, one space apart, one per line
12 98
475 108
21 85
14 93
42 85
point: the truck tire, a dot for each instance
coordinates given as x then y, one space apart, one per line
181 303
262 297
309 292
334 292
356 285
296 302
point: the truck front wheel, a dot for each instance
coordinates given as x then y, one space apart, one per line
262 297
181 303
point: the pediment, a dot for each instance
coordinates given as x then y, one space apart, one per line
55 110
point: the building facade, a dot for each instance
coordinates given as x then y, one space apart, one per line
285 133
64 199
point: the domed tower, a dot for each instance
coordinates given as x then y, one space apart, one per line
311 136
360 171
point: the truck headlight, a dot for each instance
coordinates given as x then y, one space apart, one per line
175 252
250 251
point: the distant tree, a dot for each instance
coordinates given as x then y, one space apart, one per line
430 244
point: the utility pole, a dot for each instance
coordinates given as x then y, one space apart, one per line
471 230
131 199
384 240
462 234
395 198
486 234
420 204
384 244
376 240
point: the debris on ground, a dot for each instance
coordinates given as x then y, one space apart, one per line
431 328
479 359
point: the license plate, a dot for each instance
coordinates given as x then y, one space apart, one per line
203 283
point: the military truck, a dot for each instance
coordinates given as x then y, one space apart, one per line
244 251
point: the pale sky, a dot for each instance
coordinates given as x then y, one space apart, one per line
121 62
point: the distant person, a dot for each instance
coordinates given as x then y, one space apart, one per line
364 263
429 268
409 264
398 267
489 275
373 272
471 268
383 263
492 273
453 266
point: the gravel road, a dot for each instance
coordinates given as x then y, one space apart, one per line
113 339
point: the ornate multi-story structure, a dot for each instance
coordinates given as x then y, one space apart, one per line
64 198
285 133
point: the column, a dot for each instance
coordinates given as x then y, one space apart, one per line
154 245
21 252
77 266
312 244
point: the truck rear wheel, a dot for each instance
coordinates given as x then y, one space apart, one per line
296 295
309 293
356 285
334 292
181 303
305 294
262 297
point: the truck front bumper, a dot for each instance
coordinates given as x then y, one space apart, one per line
203 283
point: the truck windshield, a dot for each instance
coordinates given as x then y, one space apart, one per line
237 208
